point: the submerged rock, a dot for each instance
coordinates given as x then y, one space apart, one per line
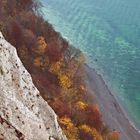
23 112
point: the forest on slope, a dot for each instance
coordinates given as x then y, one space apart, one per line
55 69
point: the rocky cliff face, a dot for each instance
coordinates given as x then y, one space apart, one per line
23 112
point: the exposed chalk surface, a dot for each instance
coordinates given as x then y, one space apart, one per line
23 112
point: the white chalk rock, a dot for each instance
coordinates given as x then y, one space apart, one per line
25 113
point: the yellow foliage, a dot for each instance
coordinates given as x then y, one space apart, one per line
41 62
92 131
41 45
66 121
55 67
65 81
38 62
69 128
86 128
81 105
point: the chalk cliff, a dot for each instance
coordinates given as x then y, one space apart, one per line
24 114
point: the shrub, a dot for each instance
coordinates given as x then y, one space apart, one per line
70 129
81 105
89 133
14 32
29 38
38 62
64 81
60 107
94 117
41 46
41 62
42 50
54 53
56 67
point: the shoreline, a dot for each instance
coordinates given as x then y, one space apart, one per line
126 134
123 112
130 133
117 100
113 113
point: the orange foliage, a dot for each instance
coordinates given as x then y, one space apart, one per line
41 62
90 115
54 76
41 46
38 62
114 135
69 128
81 105
89 133
56 67
64 81
94 116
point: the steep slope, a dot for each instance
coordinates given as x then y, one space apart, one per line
23 112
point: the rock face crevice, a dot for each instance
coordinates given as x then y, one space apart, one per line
21 105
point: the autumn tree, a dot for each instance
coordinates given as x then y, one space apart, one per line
81 105
41 46
38 62
25 4
56 66
60 107
69 128
93 117
54 53
24 54
24 17
29 38
14 32
64 81
41 62
11 8
88 133
56 74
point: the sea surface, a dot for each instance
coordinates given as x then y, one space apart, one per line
108 32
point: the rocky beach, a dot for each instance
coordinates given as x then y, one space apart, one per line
112 113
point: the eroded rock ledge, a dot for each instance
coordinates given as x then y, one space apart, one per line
22 110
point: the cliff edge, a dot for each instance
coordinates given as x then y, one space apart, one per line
24 114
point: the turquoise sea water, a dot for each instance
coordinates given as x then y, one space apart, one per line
108 32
